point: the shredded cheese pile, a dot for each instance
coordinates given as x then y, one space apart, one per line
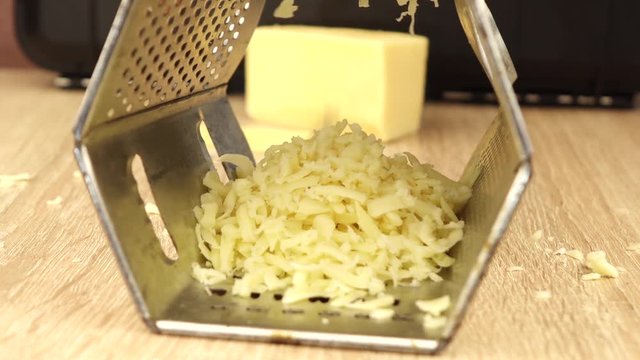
331 216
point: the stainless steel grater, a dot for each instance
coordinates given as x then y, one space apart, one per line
163 70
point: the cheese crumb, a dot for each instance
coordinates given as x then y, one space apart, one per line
597 261
431 322
382 314
151 209
536 236
591 276
286 9
560 251
7 181
434 306
576 254
363 3
515 268
55 201
77 174
324 321
634 247
543 295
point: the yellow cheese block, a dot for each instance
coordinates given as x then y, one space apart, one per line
308 77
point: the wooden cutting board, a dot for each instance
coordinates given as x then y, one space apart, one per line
61 294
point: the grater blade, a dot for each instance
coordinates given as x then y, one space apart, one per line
162 72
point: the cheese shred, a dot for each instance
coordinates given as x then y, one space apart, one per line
330 216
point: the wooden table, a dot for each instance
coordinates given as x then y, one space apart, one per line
61 294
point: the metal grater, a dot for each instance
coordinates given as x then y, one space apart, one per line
163 70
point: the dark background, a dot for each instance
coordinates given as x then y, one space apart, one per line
568 47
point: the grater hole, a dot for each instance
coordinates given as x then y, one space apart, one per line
401 317
277 297
257 309
292 311
255 295
329 313
219 292
361 316
320 299
207 4
146 196
219 307
396 302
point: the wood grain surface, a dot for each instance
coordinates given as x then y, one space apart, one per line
61 294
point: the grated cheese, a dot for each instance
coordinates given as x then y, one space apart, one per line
382 314
151 209
597 261
309 221
515 268
7 181
287 9
55 201
543 295
576 254
591 276
634 247
431 322
560 251
536 236
435 306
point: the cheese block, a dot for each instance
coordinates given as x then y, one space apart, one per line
309 77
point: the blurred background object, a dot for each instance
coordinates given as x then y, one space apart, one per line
10 53
570 52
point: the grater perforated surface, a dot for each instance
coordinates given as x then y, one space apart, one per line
174 49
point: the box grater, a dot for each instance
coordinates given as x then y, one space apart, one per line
163 71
